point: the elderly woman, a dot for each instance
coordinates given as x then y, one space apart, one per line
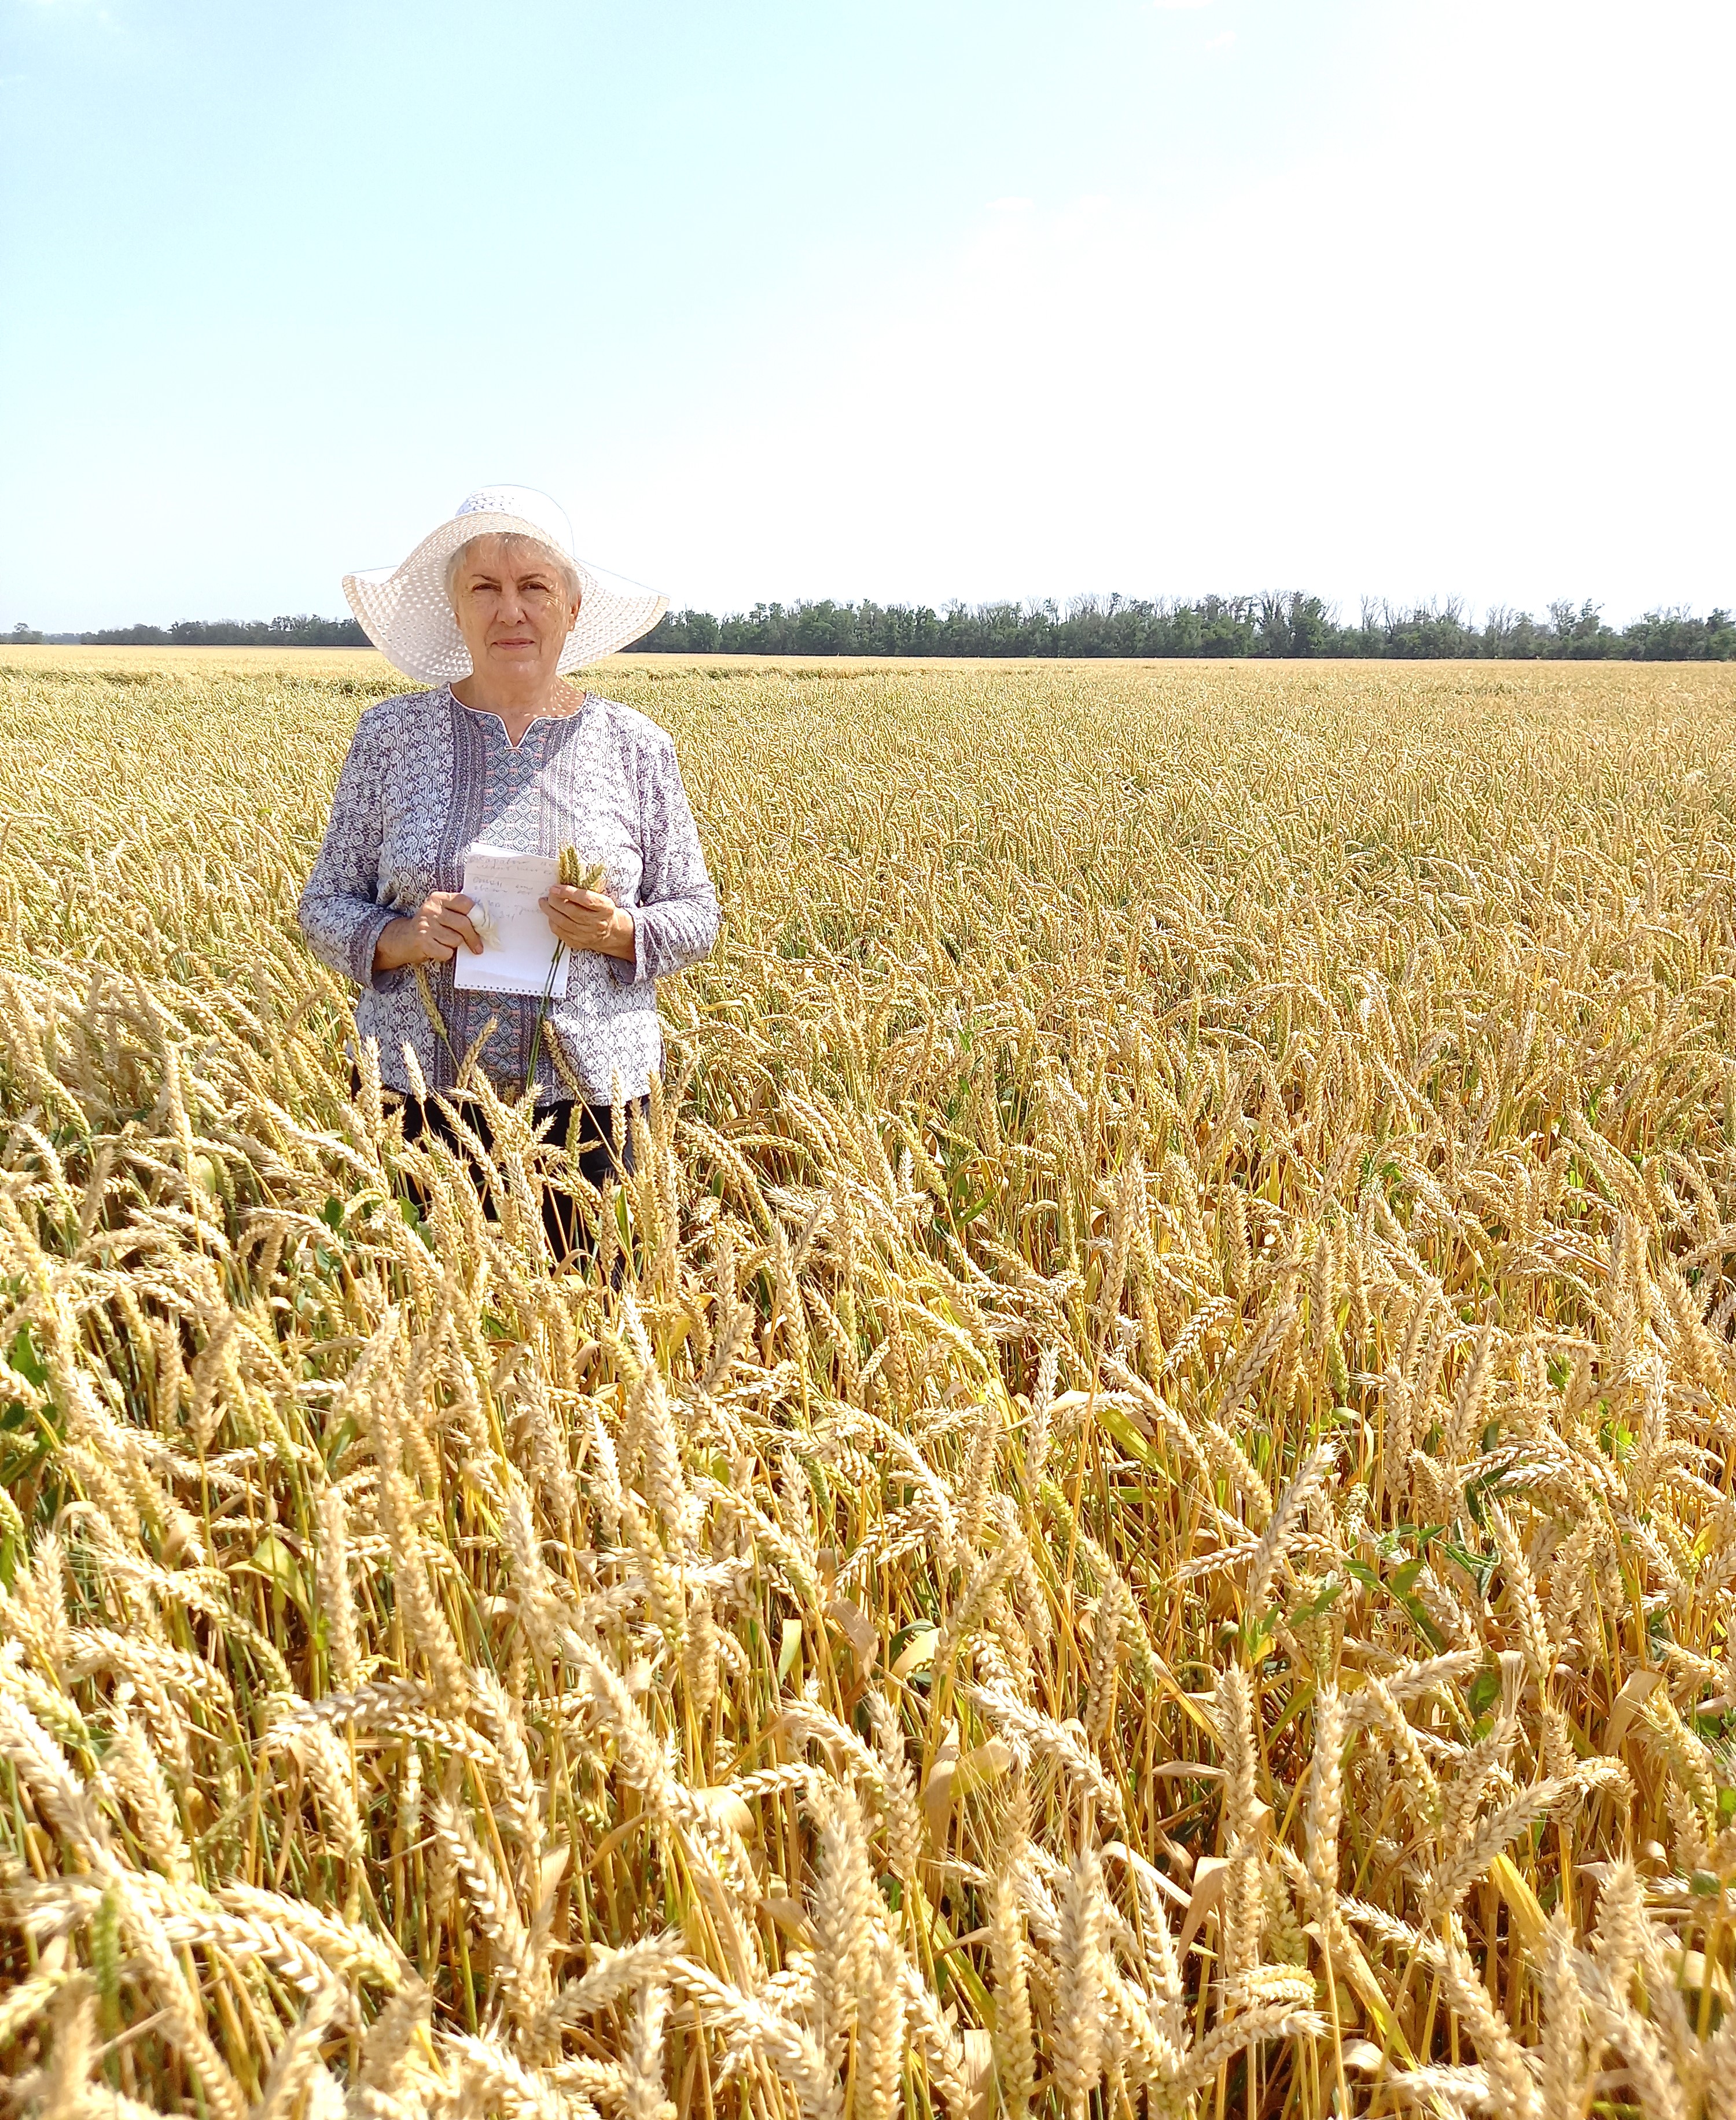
488 612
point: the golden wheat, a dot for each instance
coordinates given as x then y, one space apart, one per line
1135 1512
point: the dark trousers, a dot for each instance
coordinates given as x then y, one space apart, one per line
591 1142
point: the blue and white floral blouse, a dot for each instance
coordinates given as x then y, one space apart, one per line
427 777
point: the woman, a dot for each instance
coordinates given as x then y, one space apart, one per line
488 612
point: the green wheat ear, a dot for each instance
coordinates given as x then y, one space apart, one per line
582 876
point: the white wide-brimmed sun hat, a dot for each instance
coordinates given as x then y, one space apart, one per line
405 612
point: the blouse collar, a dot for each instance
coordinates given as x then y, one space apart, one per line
488 714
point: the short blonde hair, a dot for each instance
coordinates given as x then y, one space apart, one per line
512 539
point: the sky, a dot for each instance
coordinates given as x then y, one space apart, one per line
913 300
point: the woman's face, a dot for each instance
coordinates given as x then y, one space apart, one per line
512 608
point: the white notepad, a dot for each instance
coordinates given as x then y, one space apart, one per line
518 954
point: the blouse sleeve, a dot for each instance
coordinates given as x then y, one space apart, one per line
340 909
676 920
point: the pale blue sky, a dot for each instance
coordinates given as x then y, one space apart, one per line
1392 297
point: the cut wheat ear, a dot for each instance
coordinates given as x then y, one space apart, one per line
581 874
1146 1529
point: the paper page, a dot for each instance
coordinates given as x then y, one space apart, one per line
518 948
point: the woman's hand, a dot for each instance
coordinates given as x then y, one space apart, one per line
434 934
590 920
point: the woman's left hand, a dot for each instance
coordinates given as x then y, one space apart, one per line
590 920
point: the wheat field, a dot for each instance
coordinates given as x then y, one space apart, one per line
1134 1517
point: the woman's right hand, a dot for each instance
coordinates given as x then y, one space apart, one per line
434 934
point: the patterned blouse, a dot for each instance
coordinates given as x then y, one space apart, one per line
426 777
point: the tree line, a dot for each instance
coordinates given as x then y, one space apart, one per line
300 631
1285 625
1292 625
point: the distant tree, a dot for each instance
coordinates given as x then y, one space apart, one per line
680 633
1226 626
1294 625
22 636
1677 636
1581 634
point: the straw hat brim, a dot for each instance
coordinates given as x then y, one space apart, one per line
404 613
